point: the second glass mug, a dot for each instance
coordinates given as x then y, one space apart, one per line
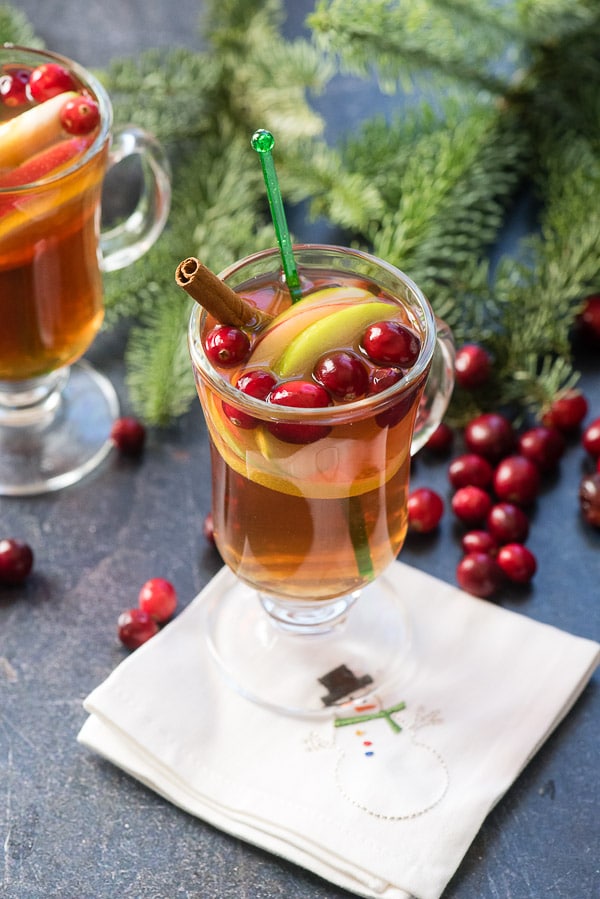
56 412
310 528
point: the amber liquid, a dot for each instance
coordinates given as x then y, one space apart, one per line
50 282
315 521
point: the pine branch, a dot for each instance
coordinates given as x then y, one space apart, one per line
15 28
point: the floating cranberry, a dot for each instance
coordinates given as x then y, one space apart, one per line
13 86
589 498
543 446
300 395
258 384
479 542
591 438
567 411
343 374
16 561
441 440
128 435
135 627
470 469
517 480
589 319
382 378
517 562
48 80
158 598
471 504
226 345
80 115
472 366
479 574
490 435
391 343
425 510
507 523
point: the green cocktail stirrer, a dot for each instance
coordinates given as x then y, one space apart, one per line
263 142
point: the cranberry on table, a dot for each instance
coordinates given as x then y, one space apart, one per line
479 574
507 523
300 395
128 435
441 439
589 498
208 528
517 480
543 446
48 80
425 510
343 374
135 626
472 366
479 542
471 504
391 343
589 319
158 598
567 411
226 345
517 562
80 115
591 438
491 435
16 561
470 469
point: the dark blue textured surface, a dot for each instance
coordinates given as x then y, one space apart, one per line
74 827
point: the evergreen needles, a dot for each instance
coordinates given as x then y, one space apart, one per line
493 100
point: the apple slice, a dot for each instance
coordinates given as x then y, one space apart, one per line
32 131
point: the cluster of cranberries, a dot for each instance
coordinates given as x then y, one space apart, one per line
386 350
498 478
157 602
23 86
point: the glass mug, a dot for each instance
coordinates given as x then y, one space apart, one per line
306 525
56 412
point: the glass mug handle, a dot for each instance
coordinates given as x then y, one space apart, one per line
130 239
438 388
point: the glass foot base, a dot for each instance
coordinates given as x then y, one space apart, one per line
61 446
309 673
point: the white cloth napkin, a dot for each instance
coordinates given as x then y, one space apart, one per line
384 807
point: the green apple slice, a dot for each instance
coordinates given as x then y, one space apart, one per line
339 328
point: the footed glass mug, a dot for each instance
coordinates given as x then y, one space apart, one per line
310 504
56 146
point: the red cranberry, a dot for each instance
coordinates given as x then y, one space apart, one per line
128 435
517 562
208 529
567 411
479 542
441 440
507 523
382 378
48 80
135 627
479 574
543 446
591 438
158 598
258 384
226 345
391 343
490 435
470 470
471 504
425 510
343 374
80 115
300 395
589 498
589 319
13 86
517 480
16 561
473 366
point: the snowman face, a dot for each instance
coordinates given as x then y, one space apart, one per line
383 767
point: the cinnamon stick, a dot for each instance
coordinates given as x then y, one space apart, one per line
220 300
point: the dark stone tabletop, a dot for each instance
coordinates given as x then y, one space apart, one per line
74 827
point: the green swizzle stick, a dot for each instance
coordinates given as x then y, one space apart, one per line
263 142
